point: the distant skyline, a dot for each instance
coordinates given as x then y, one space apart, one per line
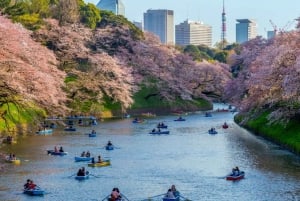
281 13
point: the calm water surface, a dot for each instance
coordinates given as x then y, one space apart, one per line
145 165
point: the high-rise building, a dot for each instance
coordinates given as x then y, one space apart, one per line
115 6
193 33
271 34
161 23
246 29
138 25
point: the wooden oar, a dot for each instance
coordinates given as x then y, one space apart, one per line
149 198
94 175
72 175
123 196
104 199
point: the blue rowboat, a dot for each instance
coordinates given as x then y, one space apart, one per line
208 115
70 129
109 147
171 199
52 152
179 119
45 132
35 191
212 132
92 134
80 158
82 177
159 132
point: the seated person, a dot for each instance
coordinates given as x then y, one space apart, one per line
170 194
235 171
26 185
174 190
31 185
93 132
88 154
81 172
99 159
153 130
115 195
109 143
83 154
61 149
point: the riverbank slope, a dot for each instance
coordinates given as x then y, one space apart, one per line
287 136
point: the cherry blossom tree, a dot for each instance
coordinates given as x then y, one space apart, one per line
97 74
269 78
28 70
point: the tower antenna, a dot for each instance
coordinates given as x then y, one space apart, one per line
223 34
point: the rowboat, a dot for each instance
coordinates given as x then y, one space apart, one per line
35 191
234 177
159 132
208 114
225 126
58 153
80 158
136 121
13 161
179 119
109 198
171 199
92 134
109 147
86 176
9 140
213 132
162 126
101 164
70 129
45 132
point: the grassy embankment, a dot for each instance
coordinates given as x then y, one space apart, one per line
286 136
18 119
148 100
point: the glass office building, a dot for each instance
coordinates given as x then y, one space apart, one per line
245 30
115 6
161 23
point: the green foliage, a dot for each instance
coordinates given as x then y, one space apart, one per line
148 97
200 52
4 3
109 104
193 51
209 51
109 18
17 9
71 78
40 7
90 15
32 22
15 114
221 56
285 135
